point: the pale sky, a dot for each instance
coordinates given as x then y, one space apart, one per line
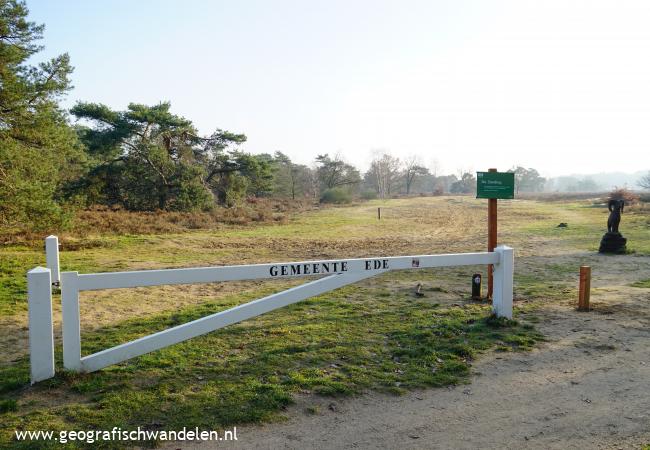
562 86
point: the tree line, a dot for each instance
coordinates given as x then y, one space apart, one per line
142 158
147 158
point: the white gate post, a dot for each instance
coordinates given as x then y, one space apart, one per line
41 335
52 257
503 282
70 319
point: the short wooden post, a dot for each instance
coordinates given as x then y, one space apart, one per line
41 335
585 287
378 213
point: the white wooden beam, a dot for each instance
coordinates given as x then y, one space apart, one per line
141 278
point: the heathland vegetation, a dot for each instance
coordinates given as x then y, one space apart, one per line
375 335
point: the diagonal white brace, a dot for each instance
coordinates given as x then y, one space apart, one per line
218 320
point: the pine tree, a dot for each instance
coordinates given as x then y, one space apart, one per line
146 158
38 150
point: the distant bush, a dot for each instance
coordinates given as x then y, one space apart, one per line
336 195
369 195
644 198
623 194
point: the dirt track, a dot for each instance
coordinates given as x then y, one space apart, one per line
588 386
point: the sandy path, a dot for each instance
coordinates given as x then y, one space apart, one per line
587 387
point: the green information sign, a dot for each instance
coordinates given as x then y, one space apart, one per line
495 185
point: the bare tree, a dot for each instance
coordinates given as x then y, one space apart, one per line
460 171
384 171
435 167
412 168
644 182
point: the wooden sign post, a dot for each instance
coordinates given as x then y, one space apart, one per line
494 185
492 238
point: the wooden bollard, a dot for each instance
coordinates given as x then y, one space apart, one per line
378 213
585 287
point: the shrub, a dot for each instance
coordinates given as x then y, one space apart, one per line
369 194
623 194
8 405
336 195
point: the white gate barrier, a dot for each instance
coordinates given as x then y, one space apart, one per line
334 274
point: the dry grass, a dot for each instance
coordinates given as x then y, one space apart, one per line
560 196
118 221
630 197
408 226
420 225
106 221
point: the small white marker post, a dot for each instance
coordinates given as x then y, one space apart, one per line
41 335
52 257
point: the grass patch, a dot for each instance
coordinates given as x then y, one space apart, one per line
13 278
8 405
338 344
642 284
542 286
